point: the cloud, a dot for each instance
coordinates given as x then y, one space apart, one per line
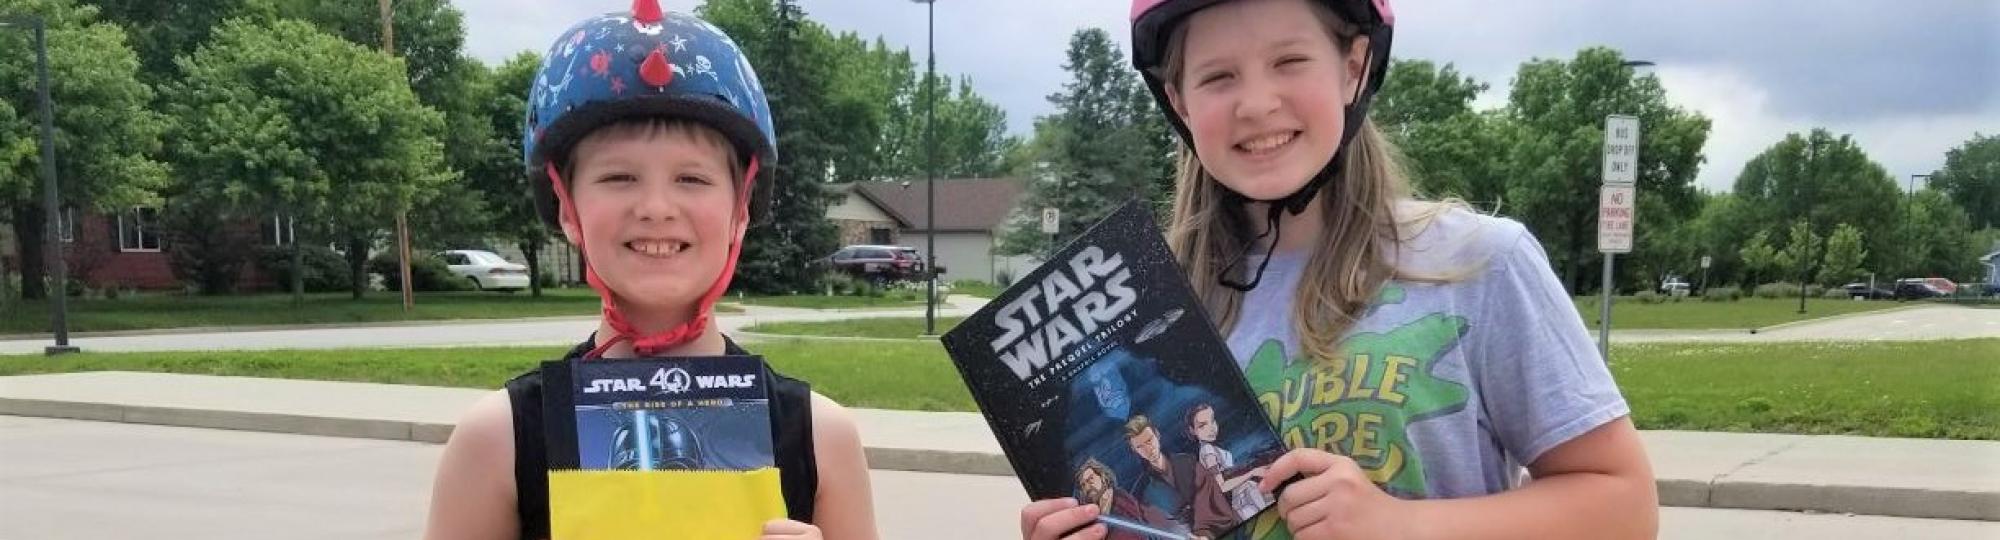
1909 79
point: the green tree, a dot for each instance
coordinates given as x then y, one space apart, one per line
161 31
795 67
499 177
1420 92
1555 160
1971 177
1760 260
1801 256
106 134
1936 239
1104 145
282 119
1823 180
1844 254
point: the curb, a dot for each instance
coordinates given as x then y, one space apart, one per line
1719 492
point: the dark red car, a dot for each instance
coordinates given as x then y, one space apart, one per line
879 264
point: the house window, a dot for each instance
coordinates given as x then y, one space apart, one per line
138 230
879 236
279 231
66 223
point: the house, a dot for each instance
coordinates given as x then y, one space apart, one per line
972 214
130 249
1992 262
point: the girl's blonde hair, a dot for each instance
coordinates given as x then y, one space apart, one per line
1361 234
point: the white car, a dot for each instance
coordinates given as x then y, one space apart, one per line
487 270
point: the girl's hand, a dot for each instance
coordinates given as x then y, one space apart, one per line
1333 499
1054 519
785 529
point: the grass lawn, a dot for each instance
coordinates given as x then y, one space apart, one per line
1941 389
874 327
152 311
893 300
1692 313
912 376
976 288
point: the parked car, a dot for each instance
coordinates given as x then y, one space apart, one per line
879 264
1864 291
1675 287
487 270
1919 289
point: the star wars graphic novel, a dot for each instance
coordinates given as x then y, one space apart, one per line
659 448
669 414
1104 380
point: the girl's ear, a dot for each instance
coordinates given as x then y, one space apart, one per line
1174 101
1357 66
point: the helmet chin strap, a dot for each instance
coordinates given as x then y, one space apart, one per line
687 331
1354 113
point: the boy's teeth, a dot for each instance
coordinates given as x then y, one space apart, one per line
658 249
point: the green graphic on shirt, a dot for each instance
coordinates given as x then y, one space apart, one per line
1362 404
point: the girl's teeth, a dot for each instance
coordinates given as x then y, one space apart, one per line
1267 143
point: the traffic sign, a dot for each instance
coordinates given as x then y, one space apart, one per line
1614 218
1621 150
1051 220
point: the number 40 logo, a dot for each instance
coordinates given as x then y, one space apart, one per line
675 380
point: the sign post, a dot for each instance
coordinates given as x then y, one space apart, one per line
1051 224
1616 200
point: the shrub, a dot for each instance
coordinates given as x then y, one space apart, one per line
325 269
427 274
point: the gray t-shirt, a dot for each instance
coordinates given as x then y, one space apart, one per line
1442 390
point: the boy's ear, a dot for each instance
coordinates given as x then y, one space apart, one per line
572 231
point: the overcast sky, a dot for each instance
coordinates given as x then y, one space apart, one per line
1908 79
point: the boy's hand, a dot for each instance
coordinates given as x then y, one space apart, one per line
785 529
1055 519
1333 499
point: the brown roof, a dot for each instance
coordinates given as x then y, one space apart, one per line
964 204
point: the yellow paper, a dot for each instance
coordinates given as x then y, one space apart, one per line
663 505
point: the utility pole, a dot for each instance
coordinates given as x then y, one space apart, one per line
402 214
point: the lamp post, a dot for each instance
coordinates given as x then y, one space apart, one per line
1909 208
50 205
930 167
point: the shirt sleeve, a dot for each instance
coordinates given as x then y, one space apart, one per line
1541 379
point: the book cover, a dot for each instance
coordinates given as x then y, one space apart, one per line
1103 379
659 448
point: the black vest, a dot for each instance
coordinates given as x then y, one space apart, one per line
791 437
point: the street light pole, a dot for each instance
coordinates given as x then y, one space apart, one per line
930 166
51 204
1909 226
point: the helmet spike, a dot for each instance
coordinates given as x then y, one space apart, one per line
647 11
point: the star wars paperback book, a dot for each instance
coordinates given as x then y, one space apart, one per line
1104 380
637 447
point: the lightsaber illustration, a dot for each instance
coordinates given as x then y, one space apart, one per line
642 438
1140 528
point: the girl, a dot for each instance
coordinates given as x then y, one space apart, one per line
645 138
1415 355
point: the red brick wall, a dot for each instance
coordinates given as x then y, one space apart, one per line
95 259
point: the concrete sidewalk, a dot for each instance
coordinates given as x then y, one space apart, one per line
1860 475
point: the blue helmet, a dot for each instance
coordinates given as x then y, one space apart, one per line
645 63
